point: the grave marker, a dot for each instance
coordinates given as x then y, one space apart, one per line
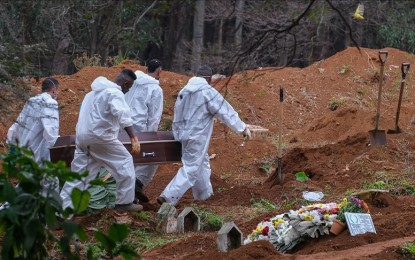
359 223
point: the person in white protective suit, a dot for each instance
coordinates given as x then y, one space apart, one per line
145 99
103 113
196 106
37 127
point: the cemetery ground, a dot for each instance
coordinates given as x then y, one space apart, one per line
328 110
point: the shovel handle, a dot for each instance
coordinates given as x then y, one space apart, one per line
383 56
280 123
405 68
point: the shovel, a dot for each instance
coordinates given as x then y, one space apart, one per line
404 69
280 177
378 137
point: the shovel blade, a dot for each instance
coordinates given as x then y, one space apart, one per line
377 137
394 131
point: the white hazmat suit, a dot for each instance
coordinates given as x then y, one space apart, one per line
145 99
37 128
196 106
103 113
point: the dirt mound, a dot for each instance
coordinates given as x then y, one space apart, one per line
328 109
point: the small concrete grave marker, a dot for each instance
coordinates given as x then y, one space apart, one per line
229 237
166 220
359 223
188 220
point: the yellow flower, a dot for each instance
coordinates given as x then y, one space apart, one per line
258 229
277 221
308 217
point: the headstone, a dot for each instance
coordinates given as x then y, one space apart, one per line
359 223
188 220
166 220
229 237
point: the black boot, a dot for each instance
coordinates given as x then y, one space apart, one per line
139 192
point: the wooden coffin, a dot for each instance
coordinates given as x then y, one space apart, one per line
156 148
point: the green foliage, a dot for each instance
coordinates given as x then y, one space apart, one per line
166 124
408 250
351 205
30 213
264 205
381 185
208 220
145 239
398 30
301 176
265 167
143 215
114 243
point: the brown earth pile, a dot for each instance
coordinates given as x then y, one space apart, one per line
329 108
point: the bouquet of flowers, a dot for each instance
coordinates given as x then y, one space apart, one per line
286 230
353 205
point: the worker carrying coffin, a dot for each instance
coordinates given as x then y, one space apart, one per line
103 113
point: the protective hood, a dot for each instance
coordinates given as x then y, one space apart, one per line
195 84
144 79
101 83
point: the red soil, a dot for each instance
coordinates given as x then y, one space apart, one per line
332 147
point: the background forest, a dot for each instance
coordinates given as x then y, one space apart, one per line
41 37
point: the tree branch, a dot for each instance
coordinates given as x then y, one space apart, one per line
346 23
140 17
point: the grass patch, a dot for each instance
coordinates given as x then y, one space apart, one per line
407 250
222 189
226 175
264 205
208 220
143 239
265 167
143 215
166 124
399 186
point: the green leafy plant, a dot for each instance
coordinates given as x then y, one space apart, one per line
301 176
376 185
209 221
30 213
351 204
408 250
265 166
334 104
114 242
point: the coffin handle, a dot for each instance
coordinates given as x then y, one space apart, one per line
152 154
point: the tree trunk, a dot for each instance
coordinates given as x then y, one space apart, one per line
238 22
198 29
61 59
